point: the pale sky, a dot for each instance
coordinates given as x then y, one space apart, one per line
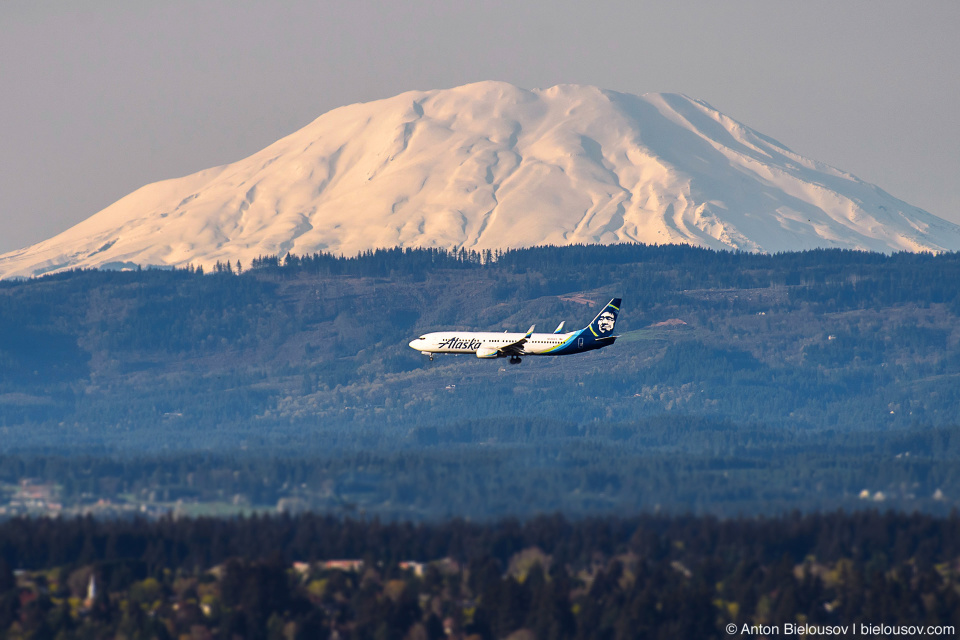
100 97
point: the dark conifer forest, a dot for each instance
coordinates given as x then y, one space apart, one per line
318 577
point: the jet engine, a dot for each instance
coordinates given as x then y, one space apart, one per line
487 352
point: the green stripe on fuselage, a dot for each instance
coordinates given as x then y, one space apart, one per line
563 344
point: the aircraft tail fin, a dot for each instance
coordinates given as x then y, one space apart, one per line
602 325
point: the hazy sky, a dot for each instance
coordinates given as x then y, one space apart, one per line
101 97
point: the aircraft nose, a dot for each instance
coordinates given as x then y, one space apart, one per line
415 344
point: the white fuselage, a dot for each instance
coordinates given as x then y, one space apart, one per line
470 341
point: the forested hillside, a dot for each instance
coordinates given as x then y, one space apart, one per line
740 382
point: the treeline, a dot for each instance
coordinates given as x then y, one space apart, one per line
873 278
525 467
856 278
192 544
831 278
645 577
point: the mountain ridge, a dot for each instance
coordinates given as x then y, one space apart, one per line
492 166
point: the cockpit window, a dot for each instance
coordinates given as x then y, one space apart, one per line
423 337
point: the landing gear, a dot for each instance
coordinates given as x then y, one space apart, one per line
431 357
514 359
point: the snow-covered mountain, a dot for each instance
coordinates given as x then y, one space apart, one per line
490 165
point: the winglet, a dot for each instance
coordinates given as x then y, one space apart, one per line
559 328
530 331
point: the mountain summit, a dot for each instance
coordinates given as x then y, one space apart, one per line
490 165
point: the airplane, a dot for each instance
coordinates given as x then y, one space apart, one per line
596 335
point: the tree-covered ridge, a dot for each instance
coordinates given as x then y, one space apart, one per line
302 326
764 366
311 576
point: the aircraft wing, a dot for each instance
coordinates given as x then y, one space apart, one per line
516 348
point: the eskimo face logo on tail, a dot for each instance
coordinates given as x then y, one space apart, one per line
606 321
